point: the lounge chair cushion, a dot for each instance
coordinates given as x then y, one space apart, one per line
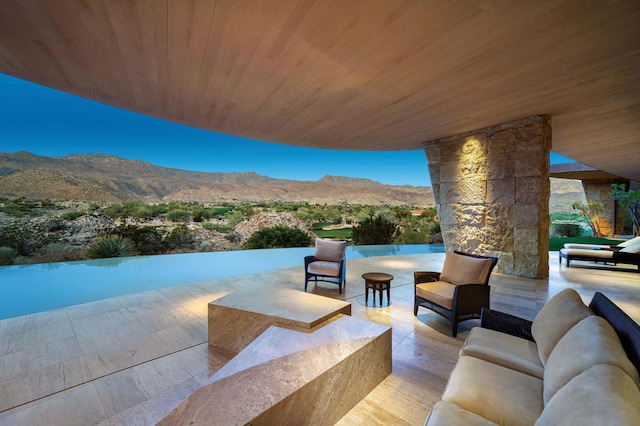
627 243
632 248
439 292
321 267
603 394
505 350
596 254
459 269
331 251
590 342
499 394
557 316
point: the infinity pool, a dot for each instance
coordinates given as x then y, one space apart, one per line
35 288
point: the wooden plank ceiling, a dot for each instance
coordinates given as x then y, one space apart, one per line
357 74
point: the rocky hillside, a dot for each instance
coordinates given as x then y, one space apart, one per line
108 178
565 192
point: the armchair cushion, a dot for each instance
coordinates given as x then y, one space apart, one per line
330 251
321 267
459 269
439 292
557 316
632 248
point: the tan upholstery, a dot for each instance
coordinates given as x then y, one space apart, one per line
590 342
603 394
600 254
505 350
439 292
446 413
324 268
458 269
330 251
558 315
499 394
632 248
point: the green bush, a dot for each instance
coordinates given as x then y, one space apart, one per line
25 239
72 215
375 230
7 256
278 236
57 252
180 237
146 239
113 246
210 226
566 230
178 215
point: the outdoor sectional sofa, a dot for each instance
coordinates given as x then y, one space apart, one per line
627 253
572 365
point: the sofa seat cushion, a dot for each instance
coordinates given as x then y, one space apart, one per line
459 269
439 292
499 394
447 414
321 267
557 316
601 395
505 350
590 342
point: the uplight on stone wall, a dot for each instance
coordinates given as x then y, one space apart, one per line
492 188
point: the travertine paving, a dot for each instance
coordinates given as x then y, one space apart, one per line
132 359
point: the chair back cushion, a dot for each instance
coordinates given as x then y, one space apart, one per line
329 251
459 269
629 242
557 316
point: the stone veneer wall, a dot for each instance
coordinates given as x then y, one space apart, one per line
598 190
492 188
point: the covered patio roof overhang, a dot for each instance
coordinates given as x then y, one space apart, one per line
357 75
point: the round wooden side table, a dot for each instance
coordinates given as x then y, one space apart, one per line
377 281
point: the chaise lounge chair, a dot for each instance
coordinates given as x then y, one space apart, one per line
627 255
622 245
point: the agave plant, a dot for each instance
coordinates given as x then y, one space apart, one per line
112 246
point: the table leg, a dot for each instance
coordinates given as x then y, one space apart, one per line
388 293
366 295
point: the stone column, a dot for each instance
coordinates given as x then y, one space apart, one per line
491 188
598 190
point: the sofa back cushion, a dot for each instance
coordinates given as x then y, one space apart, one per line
329 251
590 342
601 395
460 269
557 316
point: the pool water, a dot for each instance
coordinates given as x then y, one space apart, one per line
29 289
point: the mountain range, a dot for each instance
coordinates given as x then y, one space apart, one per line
106 178
98 177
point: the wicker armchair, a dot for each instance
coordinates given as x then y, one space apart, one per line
327 264
460 291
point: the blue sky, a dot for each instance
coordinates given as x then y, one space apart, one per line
48 122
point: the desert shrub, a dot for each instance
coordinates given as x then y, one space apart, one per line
567 230
234 218
112 246
57 252
143 213
178 215
14 210
278 236
25 239
410 236
72 215
375 230
210 226
7 256
180 237
146 239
